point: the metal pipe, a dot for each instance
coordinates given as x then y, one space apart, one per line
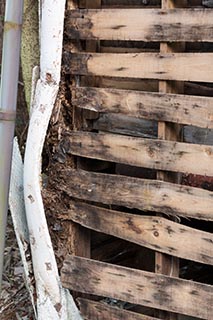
8 100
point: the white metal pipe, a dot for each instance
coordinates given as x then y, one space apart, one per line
8 99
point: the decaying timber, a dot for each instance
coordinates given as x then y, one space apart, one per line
144 94
143 194
147 153
152 232
141 24
139 287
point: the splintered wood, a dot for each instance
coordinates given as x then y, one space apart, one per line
142 92
143 194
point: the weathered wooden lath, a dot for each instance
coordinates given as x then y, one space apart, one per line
142 84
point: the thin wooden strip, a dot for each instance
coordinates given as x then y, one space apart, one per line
168 66
139 287
155 233
141 24
91 310
177 108
146 195
148 153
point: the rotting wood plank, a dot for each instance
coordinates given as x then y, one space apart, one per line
156 233
177 108
91 310
141 24
122 124
148 153
139 287
162 66
144 194
137 127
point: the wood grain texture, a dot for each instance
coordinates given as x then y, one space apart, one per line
141 24
146 195
137 127
79 238
177 108
139 287
148 153
155 233
122 124
165 264
167 66
91 310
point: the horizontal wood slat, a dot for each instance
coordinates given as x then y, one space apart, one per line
93 310
182 109
122 124
137 127
155 233
146 195
141 24
139 287
168 66
147 153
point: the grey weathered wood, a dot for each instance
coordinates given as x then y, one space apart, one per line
148 153
168 66
198 135
139 287
141 24
155 233
122 124
146 195
101 311
177 108
207 3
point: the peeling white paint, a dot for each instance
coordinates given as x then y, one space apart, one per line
53 302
